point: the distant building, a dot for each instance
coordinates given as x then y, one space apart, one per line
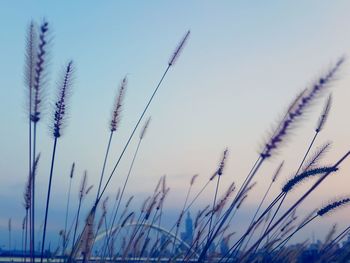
187 236
224 247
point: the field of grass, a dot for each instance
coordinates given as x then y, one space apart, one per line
113 231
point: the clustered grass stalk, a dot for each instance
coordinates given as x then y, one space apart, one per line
285 189
274 178
336 240
217 209
200 192
29 81
320 213
294 113
142 135
36 78
164 193
103 219
219 174
171 63
297 203
319 127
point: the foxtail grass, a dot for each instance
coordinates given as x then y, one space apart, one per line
36 75
114 125
141 137
171 63
60 115
320 124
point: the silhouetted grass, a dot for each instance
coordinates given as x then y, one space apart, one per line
122 234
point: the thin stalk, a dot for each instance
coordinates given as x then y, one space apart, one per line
65 237
214 202
256 213
30 87
190 205
138 227
233 248
186 209
104 163
32 234
76 223
48 199
160 219
30 171
26 236
108 235
273 217
147 236
23 230
199 243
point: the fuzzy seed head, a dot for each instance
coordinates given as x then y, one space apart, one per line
144 129
316 157
323 118
83 185
278 171
332 206
309 173
39 79
89 189
118 105
72 171
193 179
179 49
64 90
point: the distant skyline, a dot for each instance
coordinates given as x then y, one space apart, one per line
243 64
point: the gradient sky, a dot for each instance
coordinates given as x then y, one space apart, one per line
243 64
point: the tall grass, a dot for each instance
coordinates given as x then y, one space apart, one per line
36 76
60 114
124 234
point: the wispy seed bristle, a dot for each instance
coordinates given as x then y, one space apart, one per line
178 49
118 105
301 177
323 118
144 129
332 206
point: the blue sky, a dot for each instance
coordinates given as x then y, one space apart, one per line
243 64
